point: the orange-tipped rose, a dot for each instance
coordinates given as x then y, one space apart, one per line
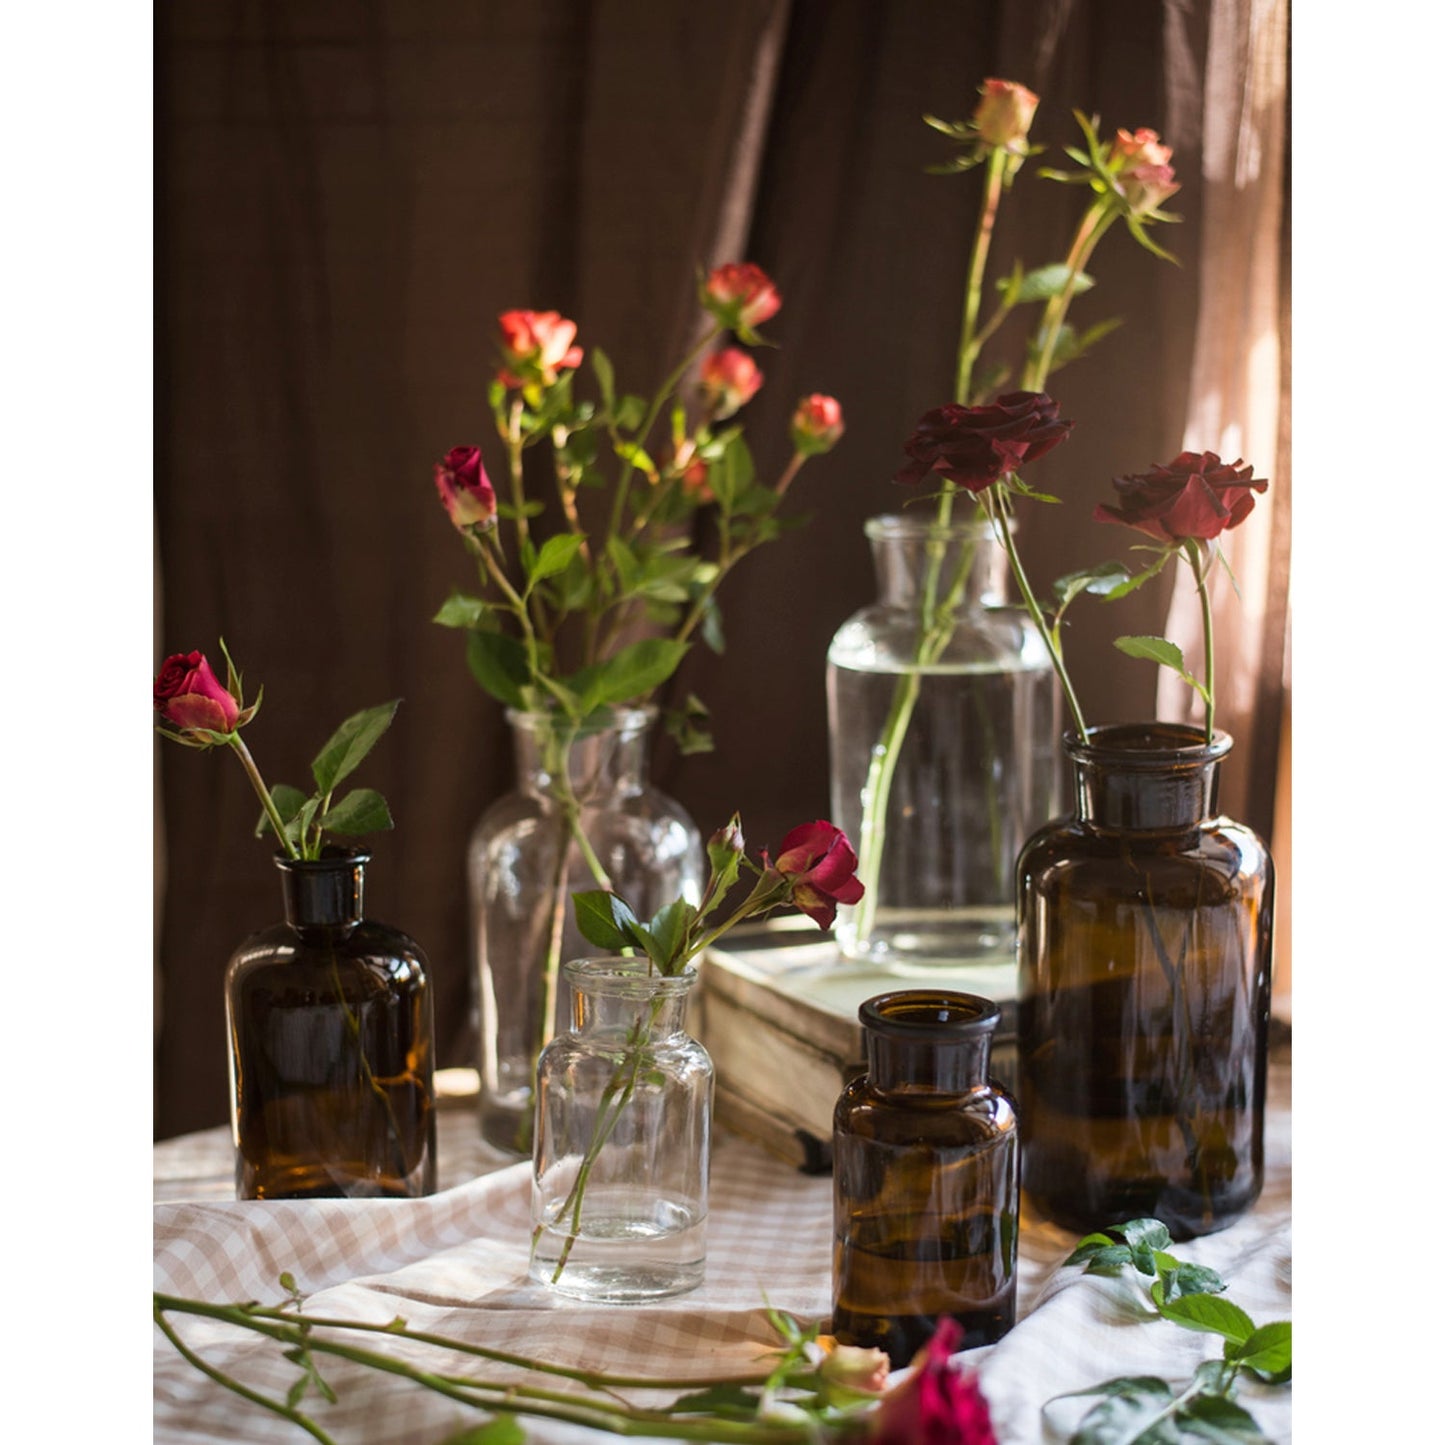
536 346
730 379
741 295
817 424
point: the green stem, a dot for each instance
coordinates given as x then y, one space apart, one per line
264 793
1097 220
968 340
1197 566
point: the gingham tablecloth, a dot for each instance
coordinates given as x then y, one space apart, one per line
455 1264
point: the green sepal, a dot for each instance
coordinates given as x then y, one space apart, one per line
362 810
499 664
350 743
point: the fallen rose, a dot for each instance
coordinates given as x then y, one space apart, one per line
976 445
1195 496
189 695
821 869
465 490
730 379
935 1403
536 345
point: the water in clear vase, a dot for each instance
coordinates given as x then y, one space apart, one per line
582 816
943 719
620 1158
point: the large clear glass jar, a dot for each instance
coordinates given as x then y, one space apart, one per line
925 1179
943 723
329 1017
1144 974
620 1161
582 816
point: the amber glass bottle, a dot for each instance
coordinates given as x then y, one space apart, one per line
1144 966
330 1023
925 1178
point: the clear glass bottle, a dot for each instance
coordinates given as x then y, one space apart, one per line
582 812
943 725
925 1179
330 1023
620 1162
1144 973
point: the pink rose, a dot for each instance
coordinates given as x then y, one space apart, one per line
821 869
976 445
855 1368
816 425
1139 148
536 345
464 489
189 695
935 1403
1144 172
741 295
1195 496
730 379
1004 113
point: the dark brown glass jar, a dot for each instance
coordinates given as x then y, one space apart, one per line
1144 970
330 1023
925 1179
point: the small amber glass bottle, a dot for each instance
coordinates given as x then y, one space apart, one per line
925 1179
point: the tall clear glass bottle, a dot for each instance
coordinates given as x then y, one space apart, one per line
925 1179
330 1022
943 722
582 816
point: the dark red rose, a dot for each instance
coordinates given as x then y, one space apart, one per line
821 869
935 1403
189 695
465 490
1196 496
976 445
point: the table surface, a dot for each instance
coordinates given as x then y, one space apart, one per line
455 1264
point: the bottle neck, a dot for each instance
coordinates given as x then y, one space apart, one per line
966 559
1146 777
928 1041
619 995
323 895
556 756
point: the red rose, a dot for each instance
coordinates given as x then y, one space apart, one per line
1004 114
189 695
465 491
741 295
976 445
1196 496
536 345
816 425
821 867
935 1402
730 379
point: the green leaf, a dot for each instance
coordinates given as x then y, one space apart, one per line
499 664
1268 1351
606 377
603 918
1047 282
1132 584
735 473
288 801
1211 1314
727 1401
1198 1279
1130 1410
499 1430
636 455
556 556
633 673
362 810
1148 1232
669 926
461 610
350 743
1159 650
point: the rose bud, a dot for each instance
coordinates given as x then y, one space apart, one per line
974 446
851 1368
821 869
694 480
189 695
1196 496
816 425
730 379
935 1401
465 491
1143 171
536 345
741 295
1004 113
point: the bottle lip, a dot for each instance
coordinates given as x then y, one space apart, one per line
923 525
1146 745
627 977
929 1014
333 858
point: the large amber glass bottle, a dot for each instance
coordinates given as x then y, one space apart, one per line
925 1179
330 1023
1144 952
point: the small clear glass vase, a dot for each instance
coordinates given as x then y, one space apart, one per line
582 816
620 1159
943 723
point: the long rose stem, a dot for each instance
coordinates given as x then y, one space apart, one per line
258 783
1196 563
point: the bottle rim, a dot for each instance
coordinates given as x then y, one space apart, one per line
1141 746
911 526
929 1014
626 977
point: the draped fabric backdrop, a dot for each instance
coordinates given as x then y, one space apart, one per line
349 193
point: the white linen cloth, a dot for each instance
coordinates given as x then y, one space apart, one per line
455 1264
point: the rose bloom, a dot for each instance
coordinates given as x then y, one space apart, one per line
1196 496
976 445
1139 148
1004 113
1146 176
189 695
730 379
741 294
935 1403
536 345
821 867
816 425
465 491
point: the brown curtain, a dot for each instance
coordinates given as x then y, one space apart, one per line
348 193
